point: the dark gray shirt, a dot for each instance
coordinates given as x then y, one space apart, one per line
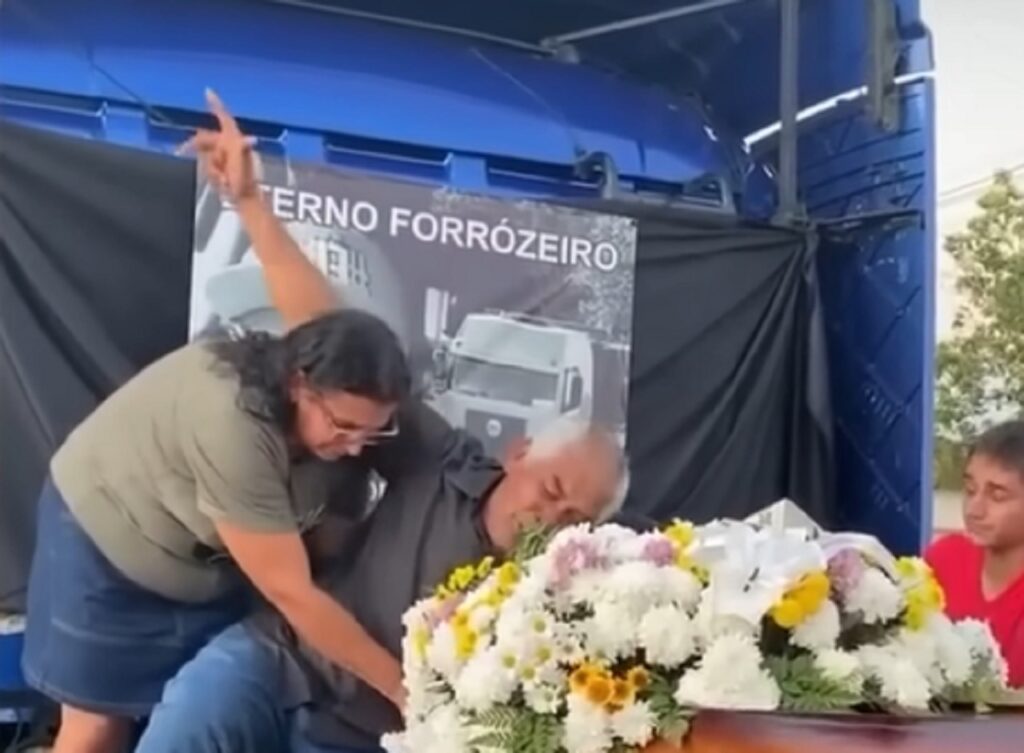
427 523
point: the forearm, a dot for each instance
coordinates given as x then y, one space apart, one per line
297 289
332 630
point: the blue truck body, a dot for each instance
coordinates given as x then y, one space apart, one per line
503 96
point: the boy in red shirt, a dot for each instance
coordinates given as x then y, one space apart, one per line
982 569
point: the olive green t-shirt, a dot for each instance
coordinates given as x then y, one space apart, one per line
151 469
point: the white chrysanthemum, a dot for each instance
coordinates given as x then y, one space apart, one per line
588 587
635 586
544 697
634 724
443 731
680 587
838 666
416 615
482 617
581 532
425 693
569 645
611 632
441 652
900 680
484 682
521 626
615 542
532 588
586 729
667 636
954 655
922 647
820 630
710 625
983 647
730 676
876 598
396 742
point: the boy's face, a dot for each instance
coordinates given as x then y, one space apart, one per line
993 503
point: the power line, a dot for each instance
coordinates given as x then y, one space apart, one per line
971 186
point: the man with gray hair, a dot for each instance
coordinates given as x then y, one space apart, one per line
259 687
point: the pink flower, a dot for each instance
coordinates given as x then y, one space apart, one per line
659 551
572 558
845 570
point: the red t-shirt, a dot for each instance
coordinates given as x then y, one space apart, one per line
957 563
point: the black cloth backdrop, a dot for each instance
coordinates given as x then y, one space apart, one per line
728 409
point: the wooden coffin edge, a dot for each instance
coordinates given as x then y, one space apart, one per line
762 732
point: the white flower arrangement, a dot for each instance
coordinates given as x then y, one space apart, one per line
604 639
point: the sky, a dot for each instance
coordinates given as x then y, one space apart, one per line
979 61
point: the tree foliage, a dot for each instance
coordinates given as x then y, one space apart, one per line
981 367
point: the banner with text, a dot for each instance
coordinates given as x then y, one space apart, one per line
513 312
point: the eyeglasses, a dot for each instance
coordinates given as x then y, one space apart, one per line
343 429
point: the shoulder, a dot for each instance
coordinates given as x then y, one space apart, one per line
425 441
209 413
952 550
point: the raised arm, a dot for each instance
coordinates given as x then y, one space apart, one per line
298 290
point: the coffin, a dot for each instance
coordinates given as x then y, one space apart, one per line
743 732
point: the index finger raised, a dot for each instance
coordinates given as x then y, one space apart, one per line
225 119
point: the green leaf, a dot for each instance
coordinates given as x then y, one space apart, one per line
805 689
676 729
672 721
497 728
531 543
517 730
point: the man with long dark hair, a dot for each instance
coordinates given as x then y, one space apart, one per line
196 481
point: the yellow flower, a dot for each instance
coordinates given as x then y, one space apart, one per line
462 577
623 694
599 689
922 591
465 642
936 595
802 600
910 567
684 561
420 641
816 584
811 592
680 532
508 575
582 675
788 613
484 567
460 619
639 678
493 599
916 616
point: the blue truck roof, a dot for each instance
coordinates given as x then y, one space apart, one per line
342 81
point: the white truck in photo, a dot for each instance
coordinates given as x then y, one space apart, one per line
506 375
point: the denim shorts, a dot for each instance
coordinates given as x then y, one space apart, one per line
94 639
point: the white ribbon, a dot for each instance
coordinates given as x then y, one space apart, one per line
751 568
